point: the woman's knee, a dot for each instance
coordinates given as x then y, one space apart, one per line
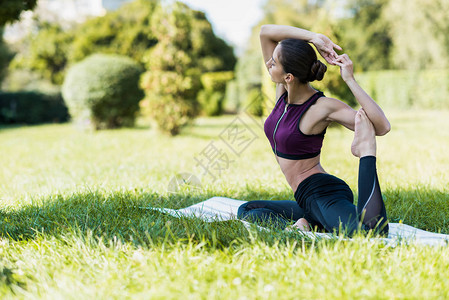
242 210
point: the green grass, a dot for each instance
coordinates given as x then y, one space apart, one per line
74 223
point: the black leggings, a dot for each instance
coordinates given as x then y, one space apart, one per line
326 202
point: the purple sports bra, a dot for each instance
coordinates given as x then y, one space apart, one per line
282 130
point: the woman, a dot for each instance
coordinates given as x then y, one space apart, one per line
296 128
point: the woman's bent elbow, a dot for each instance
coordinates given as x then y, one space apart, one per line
263 30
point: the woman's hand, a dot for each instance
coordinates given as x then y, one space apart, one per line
325 47
346 68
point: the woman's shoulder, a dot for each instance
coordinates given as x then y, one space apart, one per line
328 105
329 101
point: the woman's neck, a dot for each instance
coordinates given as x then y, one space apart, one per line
299 93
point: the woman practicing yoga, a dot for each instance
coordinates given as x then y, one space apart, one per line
296 128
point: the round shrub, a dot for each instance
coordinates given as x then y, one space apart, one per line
103 89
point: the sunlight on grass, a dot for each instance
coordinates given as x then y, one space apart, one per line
73 218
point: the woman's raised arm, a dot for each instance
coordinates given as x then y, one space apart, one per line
371 108
271 35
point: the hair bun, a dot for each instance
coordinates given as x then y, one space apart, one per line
317 71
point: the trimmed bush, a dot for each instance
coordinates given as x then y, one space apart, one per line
171 98
211 98
103 89
32 108
255 102
232 98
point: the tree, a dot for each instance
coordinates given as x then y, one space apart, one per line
9 12
5 56
420 35
126 31
47 53
173 77
11 9
187 47
365 34
211 53
436 13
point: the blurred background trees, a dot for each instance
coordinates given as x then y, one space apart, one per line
408 38
175 44
399 49
11 9
5 56
186 49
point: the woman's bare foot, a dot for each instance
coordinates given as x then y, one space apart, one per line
302 225
364 143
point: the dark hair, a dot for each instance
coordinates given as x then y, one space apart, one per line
298 58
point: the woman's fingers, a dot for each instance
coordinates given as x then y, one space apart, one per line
344 58
339 64
336 46
339 60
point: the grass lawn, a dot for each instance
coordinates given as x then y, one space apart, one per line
73 222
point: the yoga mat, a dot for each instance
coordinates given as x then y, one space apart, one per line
223 209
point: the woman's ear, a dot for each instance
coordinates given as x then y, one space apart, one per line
289 77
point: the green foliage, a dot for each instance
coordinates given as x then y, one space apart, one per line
212 54
366 35
216 81
171 97
436 14
248 72
231 101
104 90
126 31
47 53
379 35
211 102
25 80
32 108
176 43
5 56
419 36
406 89
11 9
211 98
255 103
175 64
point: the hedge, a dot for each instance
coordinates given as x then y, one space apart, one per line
211 98
407 89
32 108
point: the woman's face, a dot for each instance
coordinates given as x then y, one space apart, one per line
275 68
